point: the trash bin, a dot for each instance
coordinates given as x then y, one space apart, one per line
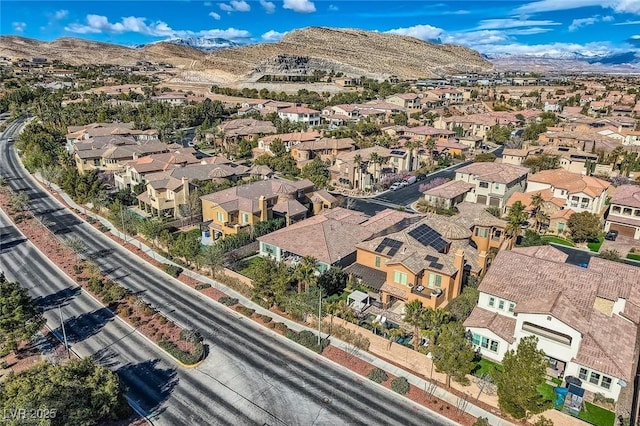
561 393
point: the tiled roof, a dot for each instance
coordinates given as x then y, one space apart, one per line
495 172
450 189
538 281
501 325
627 195
472 214
254 190
525 198
572 182
326 143
369 276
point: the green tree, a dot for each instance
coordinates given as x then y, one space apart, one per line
435 319
77 246
19 318
306 272
460 308
523 370
400 119
532 238
613 255
584 226
187 246
499 134
333 280
515 218
453 353
81 392
414 315
212 257
542 162
151 230
317 172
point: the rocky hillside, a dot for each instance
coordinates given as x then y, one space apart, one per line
352 52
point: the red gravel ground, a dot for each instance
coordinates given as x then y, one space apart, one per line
419 396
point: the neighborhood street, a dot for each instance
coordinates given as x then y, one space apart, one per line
249 377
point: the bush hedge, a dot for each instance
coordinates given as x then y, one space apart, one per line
244 310
307 339
229 301
378 375
172 270
188 358
400 385
202 286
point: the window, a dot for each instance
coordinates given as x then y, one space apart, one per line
636 212
475 338
377 261
560 227
484 185
487 343
512 307
245 218
482 232
626 211
492 301
583 373
220 216
399 277
616 209
594 378
501 304
606 382
435 280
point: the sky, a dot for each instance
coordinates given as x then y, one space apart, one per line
590 27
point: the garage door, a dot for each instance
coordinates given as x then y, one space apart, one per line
627 231
481 199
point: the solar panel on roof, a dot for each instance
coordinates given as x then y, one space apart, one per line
393 245
428 237
430 258
437 266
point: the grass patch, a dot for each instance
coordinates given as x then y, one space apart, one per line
546 391
595 245
557 240
557 381
248 267
596 415
484 366
633 256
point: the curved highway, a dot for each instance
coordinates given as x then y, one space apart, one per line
250 376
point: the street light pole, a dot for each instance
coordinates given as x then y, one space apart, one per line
64 332
319 314
124 231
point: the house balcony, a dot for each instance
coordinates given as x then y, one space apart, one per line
426 292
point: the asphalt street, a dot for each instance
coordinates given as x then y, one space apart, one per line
250 376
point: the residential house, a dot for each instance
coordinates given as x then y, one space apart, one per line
288 139
423 133
406 100
77 134
111 153
426 261
347 112
169 193
299 114
326 149
232 210
355 170
585 319
332 236
135 170
494 182
446 96
581 193
245 128
448 195
517 156
624 212
172 98
487 231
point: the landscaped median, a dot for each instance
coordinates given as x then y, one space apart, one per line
185 346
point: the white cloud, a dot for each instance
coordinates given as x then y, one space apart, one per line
268 6
475 37
273 35
19 26
628 23
300 6
235 6
60 14
333 8
528 31
422 32
496 24
100 24
583 22
215 16
619 6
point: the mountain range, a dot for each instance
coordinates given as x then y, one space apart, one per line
204 44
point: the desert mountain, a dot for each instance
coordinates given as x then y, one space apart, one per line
352 52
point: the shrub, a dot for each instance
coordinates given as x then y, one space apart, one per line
307 339
281 327
400 385
202 286
188 358
271 325
378 375
265 318
172 270
190 336
244 310
482 421
229 301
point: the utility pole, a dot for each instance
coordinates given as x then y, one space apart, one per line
124 231
64 333
319 314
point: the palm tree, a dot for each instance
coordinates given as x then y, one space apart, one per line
357 159
434 320
516 216
414 314
412 146
332 309
377 325
536 203
430 145
375 159
393 334
345 311
541 217
305 272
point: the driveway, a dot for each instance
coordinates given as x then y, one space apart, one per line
622 245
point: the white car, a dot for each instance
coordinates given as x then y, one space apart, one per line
395 186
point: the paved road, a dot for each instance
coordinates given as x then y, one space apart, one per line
250 376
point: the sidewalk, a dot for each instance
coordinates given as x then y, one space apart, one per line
365 356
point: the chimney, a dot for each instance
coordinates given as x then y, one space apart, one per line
264 214
457 281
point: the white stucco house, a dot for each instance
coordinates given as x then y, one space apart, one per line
586 319
300 114
493 182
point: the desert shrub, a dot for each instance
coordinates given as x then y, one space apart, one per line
202 286
400 385
188 358
265 318
307 339
348 336
281 327
271 325
482 421
189 336
135 320
378 375
244 310
124 311
172 270
229 301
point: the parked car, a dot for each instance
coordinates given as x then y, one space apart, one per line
395 186
611 235
421 177
404 183
410 180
